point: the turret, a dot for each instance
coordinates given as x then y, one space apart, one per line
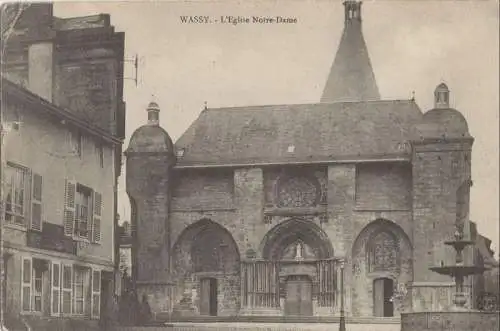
441 185
150 157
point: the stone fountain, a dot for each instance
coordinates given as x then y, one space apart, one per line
458 317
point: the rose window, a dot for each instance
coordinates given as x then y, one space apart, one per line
298 192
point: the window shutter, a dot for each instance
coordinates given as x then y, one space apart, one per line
27 197
55 294
69 207
36 202
96 220
67 289
26 284
96 293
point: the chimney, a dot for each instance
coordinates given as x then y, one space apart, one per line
38 21
41 69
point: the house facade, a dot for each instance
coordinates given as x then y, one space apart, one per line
63 113
257 210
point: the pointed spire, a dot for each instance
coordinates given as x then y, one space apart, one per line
351 76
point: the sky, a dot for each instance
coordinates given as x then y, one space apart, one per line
413 45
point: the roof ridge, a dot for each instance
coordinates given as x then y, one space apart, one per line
287 106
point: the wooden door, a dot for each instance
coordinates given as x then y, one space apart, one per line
205 296
378 297
298 296
213 297
388 293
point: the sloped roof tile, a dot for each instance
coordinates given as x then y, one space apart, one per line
318 132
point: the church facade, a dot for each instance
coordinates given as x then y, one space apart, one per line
257 210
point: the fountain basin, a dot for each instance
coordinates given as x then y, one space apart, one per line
468 320
464 270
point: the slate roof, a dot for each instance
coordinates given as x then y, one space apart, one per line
319 132
150 138
447 122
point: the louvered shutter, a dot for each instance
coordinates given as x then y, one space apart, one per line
55 293
36 202
96 219
69 207
96 293
26 279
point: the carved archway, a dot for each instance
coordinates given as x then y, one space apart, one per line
205 250
205 246
278 240
381 250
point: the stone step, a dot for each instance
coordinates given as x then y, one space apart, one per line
162 318
264 327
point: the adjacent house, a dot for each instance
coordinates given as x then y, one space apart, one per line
63 115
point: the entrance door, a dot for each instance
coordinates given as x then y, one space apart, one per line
208 297
298 296
383 290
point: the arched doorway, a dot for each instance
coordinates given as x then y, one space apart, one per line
381 254
302 254
287 235
205 266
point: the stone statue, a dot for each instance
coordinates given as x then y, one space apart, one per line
298 254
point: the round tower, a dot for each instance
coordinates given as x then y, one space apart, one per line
150 157
441 186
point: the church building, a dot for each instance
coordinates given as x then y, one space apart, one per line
257 210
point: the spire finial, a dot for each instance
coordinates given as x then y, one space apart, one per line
153 113
442 96
352 11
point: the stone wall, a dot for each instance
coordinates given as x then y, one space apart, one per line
195 190
438 171
382 186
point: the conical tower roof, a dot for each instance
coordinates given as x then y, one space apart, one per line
351 76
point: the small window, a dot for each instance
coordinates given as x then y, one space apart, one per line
82 213
16 188
180 152
76 143
100 154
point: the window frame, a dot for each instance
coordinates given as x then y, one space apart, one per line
79 271
12 169
78 232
